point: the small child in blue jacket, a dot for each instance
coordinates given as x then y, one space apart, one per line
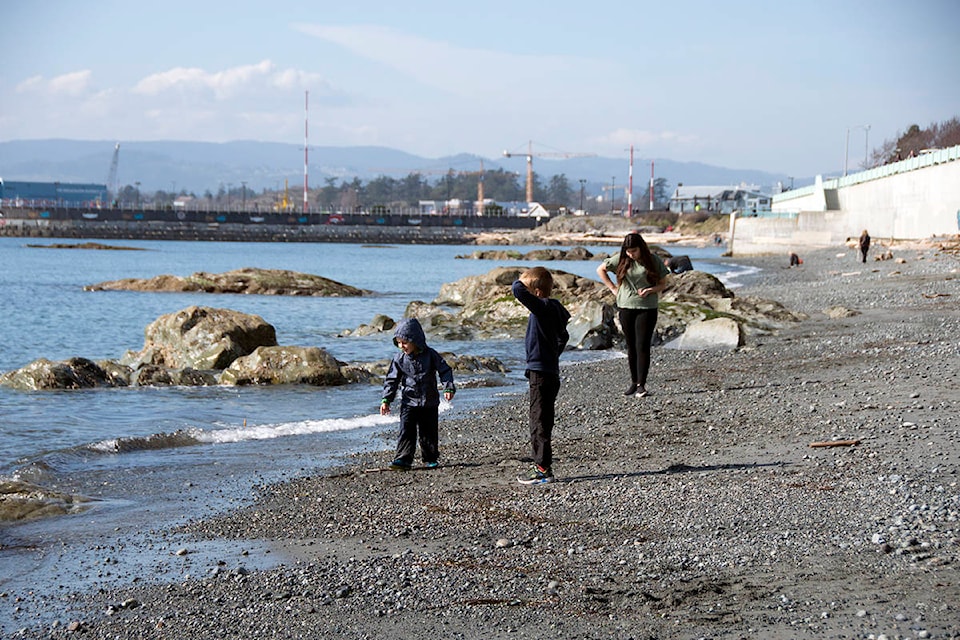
413 373
545 340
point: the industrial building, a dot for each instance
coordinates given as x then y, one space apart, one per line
62 194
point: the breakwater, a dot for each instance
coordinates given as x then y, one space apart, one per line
245 227
244 233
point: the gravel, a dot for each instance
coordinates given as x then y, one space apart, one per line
700 511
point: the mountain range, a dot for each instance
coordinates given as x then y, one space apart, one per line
197 167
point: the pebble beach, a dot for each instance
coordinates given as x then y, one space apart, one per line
806 485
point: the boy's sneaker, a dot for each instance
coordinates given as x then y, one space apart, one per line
431 465
536 475
399 465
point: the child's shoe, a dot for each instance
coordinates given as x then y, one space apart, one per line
431 465
536 475
399 465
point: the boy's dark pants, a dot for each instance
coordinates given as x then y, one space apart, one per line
544 388
426 419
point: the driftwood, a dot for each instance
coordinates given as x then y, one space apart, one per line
835 443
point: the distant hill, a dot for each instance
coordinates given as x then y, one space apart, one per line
201 166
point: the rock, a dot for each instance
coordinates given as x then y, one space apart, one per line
698 284
276 282
75 373
379 324
840 312
722 334
284 365
542 255
593 327
202 338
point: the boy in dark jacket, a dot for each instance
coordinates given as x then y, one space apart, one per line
413 372
545 340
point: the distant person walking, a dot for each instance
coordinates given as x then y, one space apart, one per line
413 374
641 276
864 246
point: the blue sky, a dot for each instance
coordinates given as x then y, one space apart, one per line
740 84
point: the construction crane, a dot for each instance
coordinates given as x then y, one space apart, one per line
112 187
543 154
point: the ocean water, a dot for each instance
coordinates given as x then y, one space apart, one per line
147 457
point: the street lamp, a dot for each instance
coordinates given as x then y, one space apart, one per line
846 151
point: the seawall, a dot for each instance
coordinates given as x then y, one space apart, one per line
912 199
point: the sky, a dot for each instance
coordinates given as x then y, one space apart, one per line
797 88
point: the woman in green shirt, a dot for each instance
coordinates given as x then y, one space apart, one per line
641 276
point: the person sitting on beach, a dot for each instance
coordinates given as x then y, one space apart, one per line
641 276
413 373
545 340
679 264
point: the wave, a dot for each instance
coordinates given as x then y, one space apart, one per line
733 277
232 434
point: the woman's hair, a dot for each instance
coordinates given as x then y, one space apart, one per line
636 241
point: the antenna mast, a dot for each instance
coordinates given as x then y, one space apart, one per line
306 120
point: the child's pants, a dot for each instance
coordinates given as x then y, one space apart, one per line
422 422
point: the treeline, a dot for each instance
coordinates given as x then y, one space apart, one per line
349 195
915 140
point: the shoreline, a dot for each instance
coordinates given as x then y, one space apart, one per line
701 510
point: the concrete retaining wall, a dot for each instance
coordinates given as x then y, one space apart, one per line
917 200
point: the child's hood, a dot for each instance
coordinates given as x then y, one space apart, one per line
410 330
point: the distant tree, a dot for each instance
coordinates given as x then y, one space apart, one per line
329 194
914 140
559 191
381 190
412 189
661 192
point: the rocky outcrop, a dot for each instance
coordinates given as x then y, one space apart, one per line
75 373
482 307
201 346
201 338
284 365
274 282
541 255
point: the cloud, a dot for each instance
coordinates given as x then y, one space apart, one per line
226 83
68 84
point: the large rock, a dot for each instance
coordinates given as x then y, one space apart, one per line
718 334
485 308
275 282
75 373
285 365
202 338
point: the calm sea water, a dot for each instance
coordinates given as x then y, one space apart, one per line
152 456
